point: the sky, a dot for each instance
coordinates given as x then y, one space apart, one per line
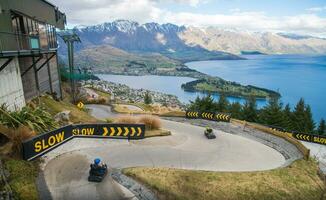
306 17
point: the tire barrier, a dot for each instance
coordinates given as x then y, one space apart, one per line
41 144
209 116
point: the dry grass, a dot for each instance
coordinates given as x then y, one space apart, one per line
298 181
126 119
122 108
100 100
151 122
76 115
17 136
176 113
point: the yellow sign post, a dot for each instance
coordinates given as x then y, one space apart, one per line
80 105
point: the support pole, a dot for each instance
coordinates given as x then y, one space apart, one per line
71 69
49 72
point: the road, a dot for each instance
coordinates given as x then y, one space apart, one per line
186 148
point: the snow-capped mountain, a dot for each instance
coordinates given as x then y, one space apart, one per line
193 43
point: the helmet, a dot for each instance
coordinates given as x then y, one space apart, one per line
97 161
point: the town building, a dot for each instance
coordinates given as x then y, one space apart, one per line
28 50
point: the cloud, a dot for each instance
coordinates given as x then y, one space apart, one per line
90 12
317 9
192 3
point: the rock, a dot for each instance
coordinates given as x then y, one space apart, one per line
63 116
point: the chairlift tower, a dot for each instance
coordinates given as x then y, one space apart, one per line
70 37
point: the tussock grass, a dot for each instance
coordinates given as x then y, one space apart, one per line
17 136
295 182
151 122
127 119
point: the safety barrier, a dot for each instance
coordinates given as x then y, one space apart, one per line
319 139
209 116
273 131
41 144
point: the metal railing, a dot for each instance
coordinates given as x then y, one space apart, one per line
21 42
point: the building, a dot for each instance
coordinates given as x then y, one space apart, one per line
28 50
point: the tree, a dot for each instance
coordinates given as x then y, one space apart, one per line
310 124
302 118
272 113
204 104
298 117
147 98
235 110
321 128
250 109
287 117
222 104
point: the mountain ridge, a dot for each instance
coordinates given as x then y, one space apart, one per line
185 42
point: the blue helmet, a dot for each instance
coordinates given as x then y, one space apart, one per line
97 161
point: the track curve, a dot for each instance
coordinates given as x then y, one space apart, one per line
187 148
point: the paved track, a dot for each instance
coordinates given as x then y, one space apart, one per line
187 148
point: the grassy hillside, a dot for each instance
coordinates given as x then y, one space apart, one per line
109 59
297 181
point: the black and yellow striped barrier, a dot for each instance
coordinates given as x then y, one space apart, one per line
131 131
46 142
192 114
319 139
209 116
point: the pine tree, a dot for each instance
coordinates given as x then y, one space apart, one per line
204 104
272 113
235 110
147 98
222 104
321 128
302 118
207 104
250 110
310 124
299 116
287 118
195 105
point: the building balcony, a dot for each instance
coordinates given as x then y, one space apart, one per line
23 44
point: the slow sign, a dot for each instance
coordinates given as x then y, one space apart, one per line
43 143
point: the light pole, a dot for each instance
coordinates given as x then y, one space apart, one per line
69 37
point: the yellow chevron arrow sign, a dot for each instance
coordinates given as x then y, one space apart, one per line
119 131
105 131
126 131
139 131
133 131
112 131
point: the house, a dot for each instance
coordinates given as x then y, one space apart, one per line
28 50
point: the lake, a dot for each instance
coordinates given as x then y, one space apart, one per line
294 76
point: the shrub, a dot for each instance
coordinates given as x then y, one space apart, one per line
151 122
127 119
109 120
17 136
36 119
